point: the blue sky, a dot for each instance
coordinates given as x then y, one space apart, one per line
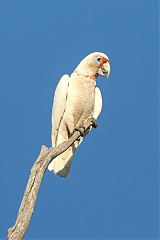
112 191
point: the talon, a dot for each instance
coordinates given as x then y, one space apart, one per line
81 130
94 122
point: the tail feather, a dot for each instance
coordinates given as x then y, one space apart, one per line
61 165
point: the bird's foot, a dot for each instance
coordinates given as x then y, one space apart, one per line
94 122
81 130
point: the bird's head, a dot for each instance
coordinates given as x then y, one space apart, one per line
94 64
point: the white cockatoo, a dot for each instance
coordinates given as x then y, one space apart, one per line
76 99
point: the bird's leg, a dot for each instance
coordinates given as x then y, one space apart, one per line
80 129
94 122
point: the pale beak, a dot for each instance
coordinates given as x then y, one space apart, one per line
104 70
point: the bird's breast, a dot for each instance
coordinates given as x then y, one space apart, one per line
81 97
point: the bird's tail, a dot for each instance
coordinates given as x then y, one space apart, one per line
61 165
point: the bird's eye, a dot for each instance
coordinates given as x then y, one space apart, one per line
99 59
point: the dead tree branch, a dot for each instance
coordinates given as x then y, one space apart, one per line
26 209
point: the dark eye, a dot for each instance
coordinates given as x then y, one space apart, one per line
99 59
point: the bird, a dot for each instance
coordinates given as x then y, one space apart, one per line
76 99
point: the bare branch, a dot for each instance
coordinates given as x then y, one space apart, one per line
26 209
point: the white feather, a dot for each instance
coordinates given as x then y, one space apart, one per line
59 105
98 103
58 109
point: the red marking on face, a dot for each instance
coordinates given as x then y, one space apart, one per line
104 60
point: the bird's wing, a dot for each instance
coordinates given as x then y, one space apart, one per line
96 112
98 103
59 105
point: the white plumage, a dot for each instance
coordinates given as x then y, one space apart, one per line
76 99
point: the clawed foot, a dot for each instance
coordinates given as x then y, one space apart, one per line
81 130
94 122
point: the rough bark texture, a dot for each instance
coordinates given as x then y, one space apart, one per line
26 209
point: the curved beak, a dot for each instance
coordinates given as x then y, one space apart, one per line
104 70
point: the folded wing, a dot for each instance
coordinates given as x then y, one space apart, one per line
98 103
59 105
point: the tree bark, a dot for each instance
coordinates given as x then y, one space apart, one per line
26 209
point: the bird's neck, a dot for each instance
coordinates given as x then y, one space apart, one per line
86 71
85 75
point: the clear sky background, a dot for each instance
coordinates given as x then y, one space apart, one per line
112 191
